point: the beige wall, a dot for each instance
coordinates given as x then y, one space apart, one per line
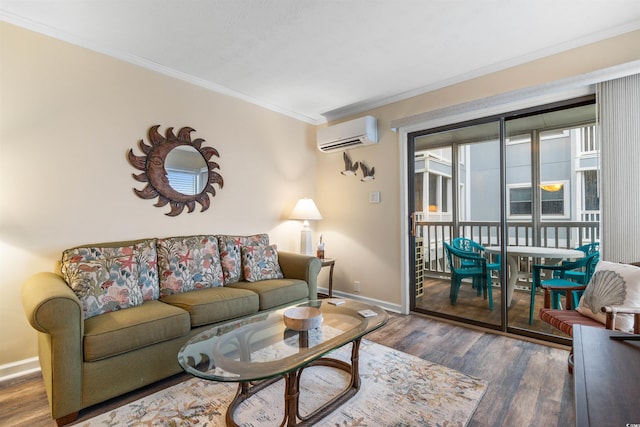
365 238
68 116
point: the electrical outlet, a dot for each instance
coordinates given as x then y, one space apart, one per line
356 286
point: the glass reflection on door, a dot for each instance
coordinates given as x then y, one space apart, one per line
457 195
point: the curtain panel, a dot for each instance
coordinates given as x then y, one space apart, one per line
619 102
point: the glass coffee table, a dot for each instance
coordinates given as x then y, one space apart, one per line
259 350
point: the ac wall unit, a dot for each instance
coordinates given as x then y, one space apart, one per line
351 134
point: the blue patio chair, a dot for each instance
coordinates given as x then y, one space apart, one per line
472 246
581 275
467 265
587 264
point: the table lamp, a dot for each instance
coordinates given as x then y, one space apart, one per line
305 210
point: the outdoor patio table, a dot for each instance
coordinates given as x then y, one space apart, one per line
551 256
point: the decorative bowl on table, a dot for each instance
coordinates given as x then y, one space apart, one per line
302 318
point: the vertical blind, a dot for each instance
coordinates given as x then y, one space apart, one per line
619 102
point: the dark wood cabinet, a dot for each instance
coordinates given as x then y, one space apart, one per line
606 377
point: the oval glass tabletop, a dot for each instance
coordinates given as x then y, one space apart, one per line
261 346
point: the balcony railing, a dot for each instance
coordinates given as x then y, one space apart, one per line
588 140
562 234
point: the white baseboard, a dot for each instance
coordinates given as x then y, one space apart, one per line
395 308
19 368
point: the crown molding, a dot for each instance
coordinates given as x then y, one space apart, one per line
568 88
152 66
361 107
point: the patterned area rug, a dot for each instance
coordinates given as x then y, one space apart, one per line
397 389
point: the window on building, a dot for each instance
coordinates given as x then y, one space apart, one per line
552 200
439 188
520 201
590 190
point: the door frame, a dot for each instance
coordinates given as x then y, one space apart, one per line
406 186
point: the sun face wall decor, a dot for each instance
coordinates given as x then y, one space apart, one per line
154 166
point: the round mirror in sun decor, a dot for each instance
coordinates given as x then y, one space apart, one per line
177 171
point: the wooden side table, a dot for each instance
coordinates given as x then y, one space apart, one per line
328 262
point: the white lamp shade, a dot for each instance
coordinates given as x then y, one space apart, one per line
305 210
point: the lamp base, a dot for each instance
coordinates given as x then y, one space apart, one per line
306 244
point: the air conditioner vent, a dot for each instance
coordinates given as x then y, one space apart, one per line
351 134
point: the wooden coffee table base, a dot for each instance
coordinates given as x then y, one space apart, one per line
292 416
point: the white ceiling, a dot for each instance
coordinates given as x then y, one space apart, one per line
323 59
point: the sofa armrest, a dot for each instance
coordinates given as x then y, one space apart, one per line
56 313
303 267
44 295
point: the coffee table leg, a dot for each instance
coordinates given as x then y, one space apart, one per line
353 387
291 398
292 391
245 390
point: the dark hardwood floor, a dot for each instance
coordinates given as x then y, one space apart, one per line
528 382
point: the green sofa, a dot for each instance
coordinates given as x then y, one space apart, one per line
88 356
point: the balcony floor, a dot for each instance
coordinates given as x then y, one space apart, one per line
471 306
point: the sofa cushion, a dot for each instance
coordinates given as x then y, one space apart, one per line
215 304
231 256
276 292
260 263
188 263
118 332
612 284
104 279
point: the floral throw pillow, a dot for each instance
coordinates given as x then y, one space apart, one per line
104 279
612 284
231 256
188 263
147 260
260 263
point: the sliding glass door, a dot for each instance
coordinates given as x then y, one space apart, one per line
525 179
457 182
551 180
